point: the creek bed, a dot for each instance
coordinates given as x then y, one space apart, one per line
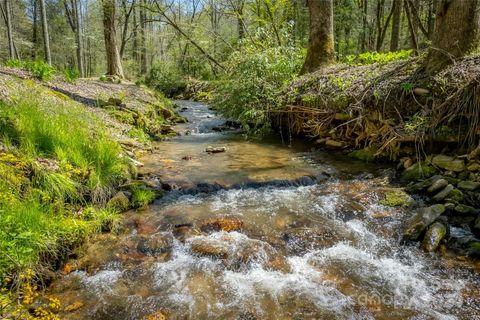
263 231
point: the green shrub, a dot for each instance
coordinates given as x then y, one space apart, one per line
253 81
40 69
165 78
71 75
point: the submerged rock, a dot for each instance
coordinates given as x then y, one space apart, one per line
211 149
226 223
155 244
434 235
467 210
421 220
448 163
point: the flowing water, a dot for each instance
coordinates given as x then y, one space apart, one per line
263 231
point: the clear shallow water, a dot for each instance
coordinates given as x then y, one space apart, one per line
308 248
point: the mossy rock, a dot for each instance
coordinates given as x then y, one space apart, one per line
366 154
397 198
119 202
455 196
418 171
123 116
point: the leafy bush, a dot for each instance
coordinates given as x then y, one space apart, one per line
39 69
71 75
253 81
376 57
165 78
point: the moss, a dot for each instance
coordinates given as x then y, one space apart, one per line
123 116
366 154
397 198
60 95
455 196
418 171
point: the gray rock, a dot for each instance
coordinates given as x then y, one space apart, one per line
437 184
422 185
449 163
467 210
476 227
334 143
468 185
434 235
444 193
421 220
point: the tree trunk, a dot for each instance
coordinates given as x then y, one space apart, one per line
431 17
397 16
46 40
321 45
34 30
143 38
8 22
78 38
363 41
411 28
114 65
135 36
457 32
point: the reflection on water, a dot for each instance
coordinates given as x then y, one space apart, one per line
325 250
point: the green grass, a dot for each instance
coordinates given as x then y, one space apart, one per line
58 160
141 196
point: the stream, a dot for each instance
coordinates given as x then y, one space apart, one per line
264 230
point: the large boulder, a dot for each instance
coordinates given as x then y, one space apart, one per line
421 220
434 235
449 163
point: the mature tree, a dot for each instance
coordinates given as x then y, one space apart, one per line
72 8
397 14
457 32
46 39
320 46
7 16
114 65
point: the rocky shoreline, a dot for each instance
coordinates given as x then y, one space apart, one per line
451 189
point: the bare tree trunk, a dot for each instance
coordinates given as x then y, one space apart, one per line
127 12
457 32
143 38
34 29
321 45
8 21
363 41
114 65
382 29
46 40
78 38
431 17
135 36
411 28
397 16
